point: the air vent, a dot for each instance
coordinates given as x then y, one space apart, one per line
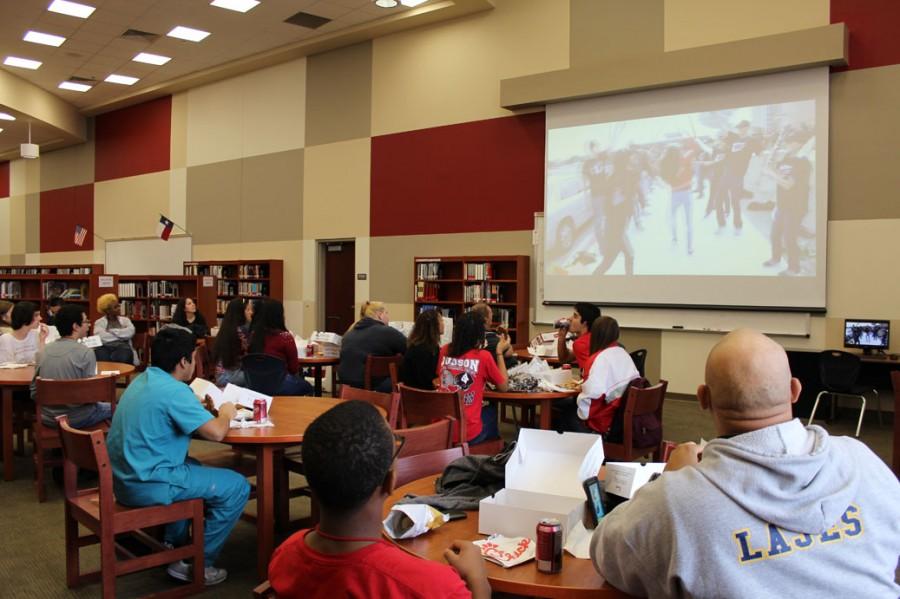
78 79
305 19
137 34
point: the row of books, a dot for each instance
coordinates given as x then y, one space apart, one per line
221 305
149 289
502 317
231 271
253 289
226 287
483 292
10 289
479 271
428 270
33 270
64 290
427 291
144 309
448 312
204 269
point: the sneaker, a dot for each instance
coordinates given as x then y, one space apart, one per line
185 572
772 262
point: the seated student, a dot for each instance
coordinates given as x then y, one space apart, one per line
610 370
269 335
53 308
115 331
492 337
187 315
774 509
250 308
27 337
6 308
424 343
230 346
369 336
349 453
579 325
148 445
67 359
464 365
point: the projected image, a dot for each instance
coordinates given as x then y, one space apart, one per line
728 192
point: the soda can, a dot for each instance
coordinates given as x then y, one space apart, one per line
310 349
260 412
566 367
549 546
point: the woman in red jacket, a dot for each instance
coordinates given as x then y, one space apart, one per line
269 335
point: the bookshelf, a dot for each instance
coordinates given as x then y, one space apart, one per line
75 283
241 279
150 300
453 284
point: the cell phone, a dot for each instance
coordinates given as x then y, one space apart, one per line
456 515
594 504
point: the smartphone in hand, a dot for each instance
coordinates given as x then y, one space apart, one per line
594 511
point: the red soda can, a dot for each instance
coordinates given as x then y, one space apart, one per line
310 349
260 412
549 546
567 367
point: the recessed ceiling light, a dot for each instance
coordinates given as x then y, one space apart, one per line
412 3
36 37
73 9
75 87
22 63
1 130
6 117
386 3
148 58
238 5
121 79
186 33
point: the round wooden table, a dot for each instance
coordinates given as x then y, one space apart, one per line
577 579
20 378
544 399
318 364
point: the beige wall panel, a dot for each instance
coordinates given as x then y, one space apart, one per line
16 259
83 257
24 176
336 187
178 131
274 108
636 29
865 123
684 359
5 225
272 197
635 339
68 167
130 207
339 96
33 222
17 228
391 258
214 202
451 72
862 269
214 122
690 23
178 195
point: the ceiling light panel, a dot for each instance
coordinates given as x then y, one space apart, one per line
236 5
189 34
75 87
73 9
36 37
148 58
22 63
412 3
386 3
121 79
6 117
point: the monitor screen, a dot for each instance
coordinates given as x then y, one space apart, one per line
867 334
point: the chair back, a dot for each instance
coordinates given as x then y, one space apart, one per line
424 407
640 401
424 439
643 405
418 466
379 367
639 357
838 370
264 373
389 402
86 450
58 392
141 344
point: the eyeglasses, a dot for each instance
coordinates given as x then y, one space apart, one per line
399 442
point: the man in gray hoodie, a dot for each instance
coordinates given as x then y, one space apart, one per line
774 509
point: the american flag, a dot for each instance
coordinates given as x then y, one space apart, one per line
80 233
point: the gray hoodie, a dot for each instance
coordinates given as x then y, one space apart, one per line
783 511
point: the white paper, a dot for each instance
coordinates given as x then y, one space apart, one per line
423 518
202 388
240 396
13 366
91 341
251 424
109 372
578 544
625 478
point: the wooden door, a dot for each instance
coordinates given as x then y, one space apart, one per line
340 283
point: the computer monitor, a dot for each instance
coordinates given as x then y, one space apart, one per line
867 334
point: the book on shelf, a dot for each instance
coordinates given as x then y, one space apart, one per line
427 291
253 271
226 287
162 289
133 309
428 270
64 290
132 290
479 271
253 289
483 292
31 270
446 312
10 290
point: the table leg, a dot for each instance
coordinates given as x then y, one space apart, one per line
265 525
317 376
8 466
546 414
334 392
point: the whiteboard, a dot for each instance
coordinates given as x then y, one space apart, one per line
150 256
792 324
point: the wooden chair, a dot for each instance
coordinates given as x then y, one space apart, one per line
141 344
389 402
63 392
638 402
379 367
424 407
424 439
96 509
425 464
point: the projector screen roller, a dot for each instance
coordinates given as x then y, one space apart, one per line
710 195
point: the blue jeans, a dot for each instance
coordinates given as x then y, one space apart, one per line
489 428
294 384
84 415
682 199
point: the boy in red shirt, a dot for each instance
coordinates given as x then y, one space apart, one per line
464 366
348 453
580 325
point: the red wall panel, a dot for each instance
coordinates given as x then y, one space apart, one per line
4 179
61 210
479 176
133 141
873 31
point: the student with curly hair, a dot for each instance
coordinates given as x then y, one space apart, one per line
115 331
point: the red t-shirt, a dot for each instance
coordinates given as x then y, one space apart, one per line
468 372
581 347
377 570
282 345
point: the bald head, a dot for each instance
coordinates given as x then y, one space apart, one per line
748 380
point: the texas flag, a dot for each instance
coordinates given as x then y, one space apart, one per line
80 233
165 228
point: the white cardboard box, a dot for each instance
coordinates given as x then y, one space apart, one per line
625 478
543 480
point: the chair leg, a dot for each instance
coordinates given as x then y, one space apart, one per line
812 414
108 564
73 570
862 412
878 403
39 473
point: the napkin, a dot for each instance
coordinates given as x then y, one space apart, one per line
506 551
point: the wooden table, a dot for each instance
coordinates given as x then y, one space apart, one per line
291 416
20 378
544 399
318 364
577 579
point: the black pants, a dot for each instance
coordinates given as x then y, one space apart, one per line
114 353
565 417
